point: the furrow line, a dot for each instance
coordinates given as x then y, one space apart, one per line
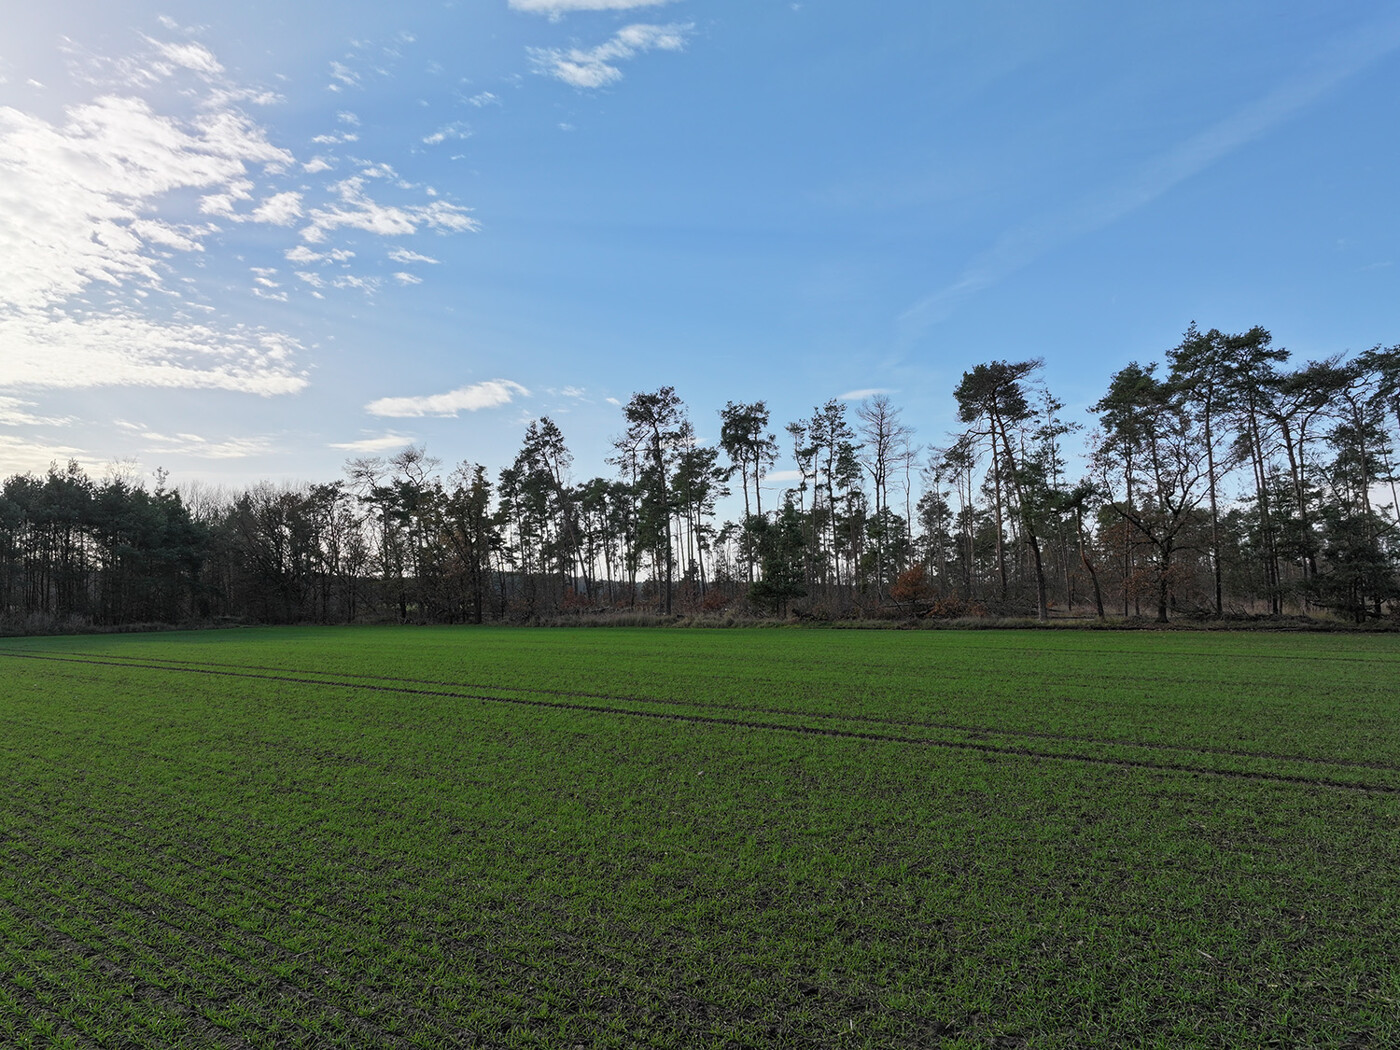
485 692
29 1006
738 723
249 967
623 962
506 971
243 972
140 989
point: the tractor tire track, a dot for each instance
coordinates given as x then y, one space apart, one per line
1015 751
356 681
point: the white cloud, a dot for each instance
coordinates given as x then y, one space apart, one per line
485 98
46 349
455 130
490 394
374 444
223 96
861 395
203 448
594 68
18 455
403 255
80 207
13 413
357 211
281 209
72 195
195 57
343 76
195 445
94 229
160 234
222 204
302 254
316 165
556 8
368 285
407 278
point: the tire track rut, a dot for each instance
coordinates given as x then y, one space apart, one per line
354 680
979 747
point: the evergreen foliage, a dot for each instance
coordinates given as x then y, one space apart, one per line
1228 483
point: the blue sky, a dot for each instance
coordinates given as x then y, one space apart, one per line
251 241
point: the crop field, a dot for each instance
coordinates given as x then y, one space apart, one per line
437 837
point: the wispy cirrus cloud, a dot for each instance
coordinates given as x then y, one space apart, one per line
355 209
18 454
779 476
203 448
50 349
557 8
489 394
377 443
342 76
457 130
403 255
14 412
77 198
862 394
80 212
1019 247
596 67
105 209
189 55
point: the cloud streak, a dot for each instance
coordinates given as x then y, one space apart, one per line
96 225
48 349
557 8
595 67
202 448
14 412
20 454
1020 247
358 211
76 198
490 394
374 444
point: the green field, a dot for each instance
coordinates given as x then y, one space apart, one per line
738 838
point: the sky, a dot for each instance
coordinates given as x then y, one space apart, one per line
244 242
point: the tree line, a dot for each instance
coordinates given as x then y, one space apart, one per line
1224 479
